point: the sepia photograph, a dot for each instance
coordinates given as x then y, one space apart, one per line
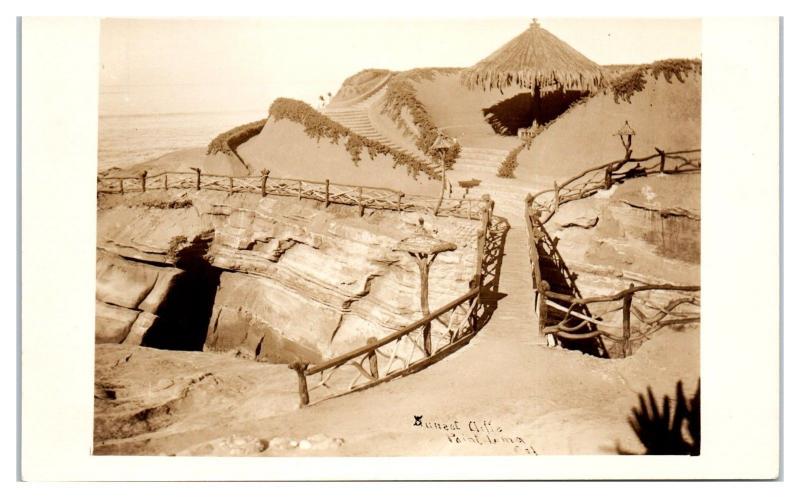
428 247
499 258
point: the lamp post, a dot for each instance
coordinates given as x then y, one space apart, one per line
625 134
424 248
442 145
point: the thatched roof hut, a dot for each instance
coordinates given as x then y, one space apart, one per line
535 59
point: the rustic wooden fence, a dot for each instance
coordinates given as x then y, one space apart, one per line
426 341
626 317
325 191
422 343
602 177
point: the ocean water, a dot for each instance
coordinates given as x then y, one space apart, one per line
132 139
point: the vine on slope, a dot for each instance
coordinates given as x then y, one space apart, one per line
510 163
400 94
631 82
319 126
228 141
623 87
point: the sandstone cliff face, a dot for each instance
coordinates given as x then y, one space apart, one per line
137 246
127 297
647 229
322 280
286 280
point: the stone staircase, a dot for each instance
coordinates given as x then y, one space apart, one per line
356 117
482 164
473 162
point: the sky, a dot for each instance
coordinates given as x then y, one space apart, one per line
217 65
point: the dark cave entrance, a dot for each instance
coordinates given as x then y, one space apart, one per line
184 314
508 116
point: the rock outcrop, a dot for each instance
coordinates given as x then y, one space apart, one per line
127 297
646 229
323 281
285 280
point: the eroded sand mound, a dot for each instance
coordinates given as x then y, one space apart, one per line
284 148
359 86
664 114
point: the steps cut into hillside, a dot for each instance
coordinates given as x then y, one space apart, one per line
476 163
480 163
357 118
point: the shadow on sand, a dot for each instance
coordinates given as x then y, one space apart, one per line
519 111
561 280
492 264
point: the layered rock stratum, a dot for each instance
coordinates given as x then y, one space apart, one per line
285 280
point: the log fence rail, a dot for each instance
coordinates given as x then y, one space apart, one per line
327 192
424 342
631 315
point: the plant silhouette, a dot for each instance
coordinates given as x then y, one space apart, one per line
661 430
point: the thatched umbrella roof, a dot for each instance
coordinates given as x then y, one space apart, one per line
425 244
534 58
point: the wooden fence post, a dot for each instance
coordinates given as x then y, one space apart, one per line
663 159
480 248
198 177
230 185
302 385
264 176
555 196
426 339
144 181
327 192
361 201
424 262
373 359
400 201
543 288
626 323
299 189
121 186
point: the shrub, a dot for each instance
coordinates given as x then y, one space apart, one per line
674 67
633 81
228 141
176 244
174 204
319 126
510 163
628 84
